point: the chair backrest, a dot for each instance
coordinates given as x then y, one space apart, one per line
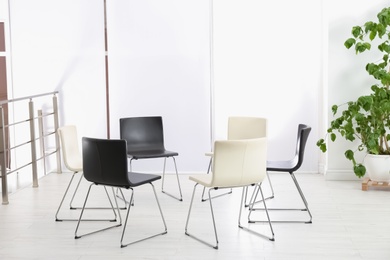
302 136
239 162
142 133
246 128
70 147
105 161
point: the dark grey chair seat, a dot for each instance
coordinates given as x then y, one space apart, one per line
148 154
145 140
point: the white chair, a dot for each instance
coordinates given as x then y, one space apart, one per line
73 161
239 128
236 163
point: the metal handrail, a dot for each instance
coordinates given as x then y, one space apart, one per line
31 120
28 97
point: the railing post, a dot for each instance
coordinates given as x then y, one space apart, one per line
3 168
33 145
42 139
56 125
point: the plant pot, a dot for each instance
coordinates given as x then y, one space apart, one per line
378 167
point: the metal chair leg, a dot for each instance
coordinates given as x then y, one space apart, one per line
267 198
74 194
127 217
204 188
63 198
177 177
258 186
122 197
82 212
212 214
306 208
73 208
75 191
213 219
270 184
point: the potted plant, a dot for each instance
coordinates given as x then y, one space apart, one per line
367 119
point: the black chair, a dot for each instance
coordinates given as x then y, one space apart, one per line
145 140
73 161
105 163
290 166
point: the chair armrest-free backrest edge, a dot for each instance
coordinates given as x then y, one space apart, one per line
70 147
239 162
105 161
142 133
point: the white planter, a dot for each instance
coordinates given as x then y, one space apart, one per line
378 167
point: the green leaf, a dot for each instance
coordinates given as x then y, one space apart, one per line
369 26
384 17
365 102
319 142
333 137
372 35
350 136
359 118
362 46
349 43
381 30
356 31
334 109
349 155
359 170
322 145
384 47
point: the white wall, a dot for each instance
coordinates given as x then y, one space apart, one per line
347 76
268 62
159 63
158 60
59 45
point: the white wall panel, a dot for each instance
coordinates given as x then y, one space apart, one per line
267 62
59 45
159 65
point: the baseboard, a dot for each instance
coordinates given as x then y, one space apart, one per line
341 175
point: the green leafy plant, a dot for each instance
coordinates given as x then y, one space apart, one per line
367 119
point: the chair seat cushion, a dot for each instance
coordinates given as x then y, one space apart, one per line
151 154
137 179
281 166
202 179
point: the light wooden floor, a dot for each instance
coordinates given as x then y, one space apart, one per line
348 223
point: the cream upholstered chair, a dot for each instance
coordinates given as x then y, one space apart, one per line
236 163
242 127
73 161
246 127
72 158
